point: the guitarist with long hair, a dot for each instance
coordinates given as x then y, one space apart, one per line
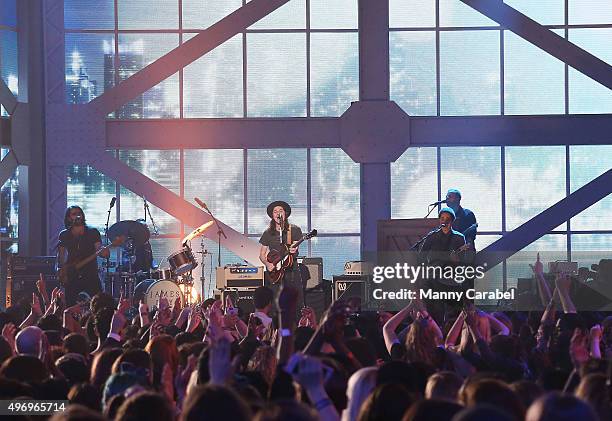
78 246
279 240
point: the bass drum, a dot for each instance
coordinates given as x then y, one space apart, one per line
151 290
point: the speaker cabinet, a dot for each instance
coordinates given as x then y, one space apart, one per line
314 268
349 286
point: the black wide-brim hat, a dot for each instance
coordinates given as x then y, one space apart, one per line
284 205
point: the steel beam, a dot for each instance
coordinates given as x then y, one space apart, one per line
223 133
55 93
546 221
173 204
511 130
5 132
7 99
533 130
27 128
543 38
188 52
375 186
7 167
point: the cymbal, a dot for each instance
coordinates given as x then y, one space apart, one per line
198 231
134 230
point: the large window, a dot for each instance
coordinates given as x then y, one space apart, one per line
322 186
505 187
448 59
301 60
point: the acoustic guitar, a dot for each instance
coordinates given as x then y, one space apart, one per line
282 259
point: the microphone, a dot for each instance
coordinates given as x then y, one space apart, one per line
439 202
112 203
199 202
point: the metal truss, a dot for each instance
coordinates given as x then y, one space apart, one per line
77 133
545 39
373 131
546 221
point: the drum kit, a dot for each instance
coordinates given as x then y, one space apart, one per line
135 275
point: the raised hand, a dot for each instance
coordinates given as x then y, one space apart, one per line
309 373
118 321
183 317
596 333
176 308
156 328
164 314
8 333
181 379
36 310
163 303
193 321
308 318
538 267
563 282
333 324
579 351
41 286
255 327
143 311
215 321
219 364
228 303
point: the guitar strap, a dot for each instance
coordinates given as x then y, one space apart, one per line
289 235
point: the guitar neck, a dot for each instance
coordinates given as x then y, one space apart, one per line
82 263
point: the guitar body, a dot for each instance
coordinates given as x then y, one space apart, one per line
281 264
284 260
69 271
67 274
457 258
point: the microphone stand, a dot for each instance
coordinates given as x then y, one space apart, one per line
418 244
106 239
220 233
431 208
148 211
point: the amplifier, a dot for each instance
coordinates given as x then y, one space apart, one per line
349 286
357 268
22 274
314 268
24 266
240 277
318 299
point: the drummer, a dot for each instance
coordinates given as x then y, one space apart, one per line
137 247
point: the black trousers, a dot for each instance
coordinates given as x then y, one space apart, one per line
87 281
291 278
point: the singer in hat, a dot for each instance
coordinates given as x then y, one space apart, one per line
281 232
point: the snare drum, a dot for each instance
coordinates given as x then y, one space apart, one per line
182 261
151 290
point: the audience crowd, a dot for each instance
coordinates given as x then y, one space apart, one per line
209 362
